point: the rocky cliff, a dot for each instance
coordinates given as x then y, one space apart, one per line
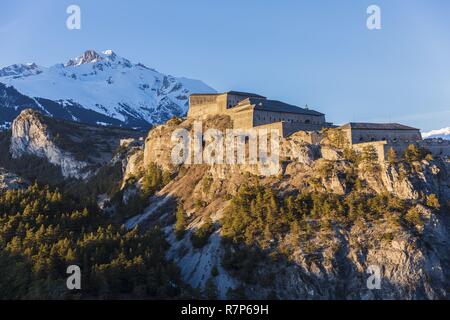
78 149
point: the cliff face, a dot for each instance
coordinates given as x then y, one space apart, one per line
76 148
333 262
30 136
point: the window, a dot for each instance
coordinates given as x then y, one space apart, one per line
307 121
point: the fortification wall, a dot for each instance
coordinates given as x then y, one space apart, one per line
201 106
272 126
438 147
391 136
262 117
243 119
308 133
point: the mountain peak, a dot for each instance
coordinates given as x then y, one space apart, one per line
92 56
98 87
20 70
109 52
89 56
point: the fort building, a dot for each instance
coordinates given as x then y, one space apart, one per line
392 133
248 110
384 136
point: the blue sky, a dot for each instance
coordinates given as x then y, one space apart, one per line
316 52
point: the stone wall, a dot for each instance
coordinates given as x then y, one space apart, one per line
242 117
390 136
245 117
273 126
262 117
286 129
200 106
291 122
437 147
290 128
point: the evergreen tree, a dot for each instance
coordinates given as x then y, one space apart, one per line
412 153
211 291
433 202
392 156
180 225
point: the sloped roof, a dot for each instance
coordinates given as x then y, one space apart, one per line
278 106
376 126
237 93
245 94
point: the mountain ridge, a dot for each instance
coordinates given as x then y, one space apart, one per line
106 88
443 133
79 150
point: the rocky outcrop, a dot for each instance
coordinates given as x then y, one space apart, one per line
30 136
409 268
78 149
10 181
131 158
159 141
411 182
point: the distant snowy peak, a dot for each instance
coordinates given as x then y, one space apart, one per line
91 56
104 83
21 70
443 133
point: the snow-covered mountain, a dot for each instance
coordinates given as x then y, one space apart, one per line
97 88
443 133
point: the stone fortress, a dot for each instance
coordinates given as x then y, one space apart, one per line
248 110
